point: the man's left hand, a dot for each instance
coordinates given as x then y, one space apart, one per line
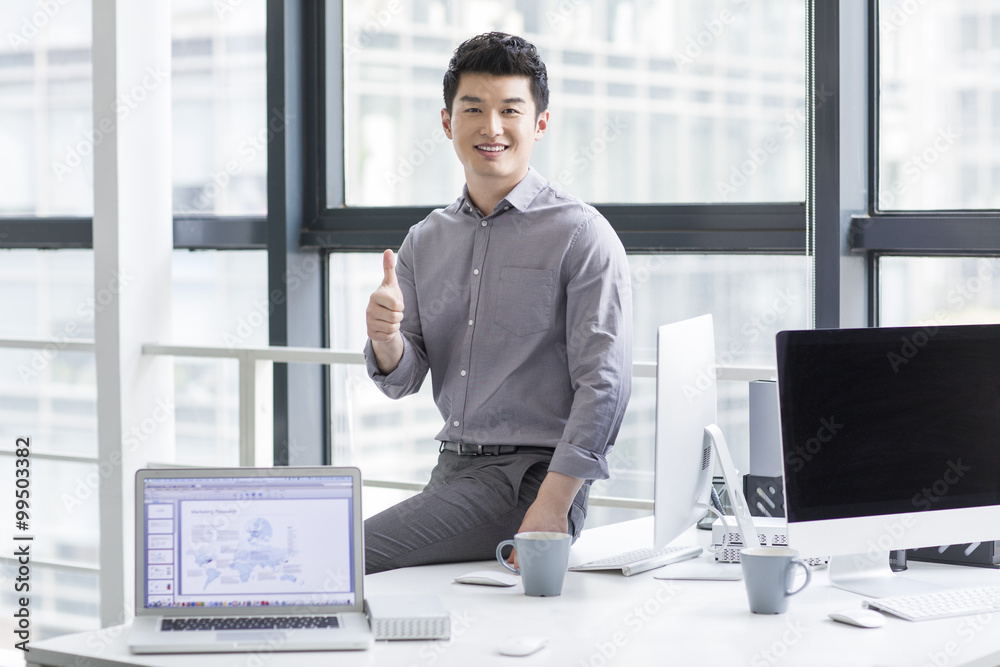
550 511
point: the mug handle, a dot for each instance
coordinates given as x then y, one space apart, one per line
503 561
808 571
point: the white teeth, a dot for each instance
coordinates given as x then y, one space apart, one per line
492 149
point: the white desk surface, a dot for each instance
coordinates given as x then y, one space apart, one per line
604 619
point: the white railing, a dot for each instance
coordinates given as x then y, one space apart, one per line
254 378
255 401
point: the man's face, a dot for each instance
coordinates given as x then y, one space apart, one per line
493 125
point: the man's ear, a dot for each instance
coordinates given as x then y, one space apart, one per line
541 124
446 122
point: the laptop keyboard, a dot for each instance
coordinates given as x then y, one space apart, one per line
250 623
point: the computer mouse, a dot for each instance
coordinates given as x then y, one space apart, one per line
862 618
487 578
523 645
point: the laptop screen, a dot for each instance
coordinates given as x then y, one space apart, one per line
253 541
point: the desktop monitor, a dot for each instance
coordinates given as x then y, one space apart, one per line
685 405
890 440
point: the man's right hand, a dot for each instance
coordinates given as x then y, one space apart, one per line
384 313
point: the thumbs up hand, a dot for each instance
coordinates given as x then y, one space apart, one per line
389 266
384 313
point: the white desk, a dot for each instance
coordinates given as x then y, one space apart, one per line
604 619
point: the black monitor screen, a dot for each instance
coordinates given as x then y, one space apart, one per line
889 420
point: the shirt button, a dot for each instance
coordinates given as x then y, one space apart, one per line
475 272
454 423
484 223
470 323
506 208
463 373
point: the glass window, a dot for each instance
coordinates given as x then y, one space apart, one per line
937 134
751 296
64 521
220 300
705 98
64 507
50 393
933 291
220 129
46 128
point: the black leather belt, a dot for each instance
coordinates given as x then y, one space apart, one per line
466 449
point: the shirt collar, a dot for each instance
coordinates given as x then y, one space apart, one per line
523 193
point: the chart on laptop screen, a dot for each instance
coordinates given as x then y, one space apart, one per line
227 542
259 547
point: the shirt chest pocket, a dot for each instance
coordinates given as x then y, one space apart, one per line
525 300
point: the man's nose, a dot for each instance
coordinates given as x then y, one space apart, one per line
493 126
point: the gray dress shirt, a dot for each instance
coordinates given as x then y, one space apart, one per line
524 318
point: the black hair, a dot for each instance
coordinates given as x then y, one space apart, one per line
499 54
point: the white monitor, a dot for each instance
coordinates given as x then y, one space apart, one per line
685 405
687 439
891 440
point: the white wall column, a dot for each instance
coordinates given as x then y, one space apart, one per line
133 242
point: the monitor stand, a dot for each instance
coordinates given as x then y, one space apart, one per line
747 530
744 523
869 574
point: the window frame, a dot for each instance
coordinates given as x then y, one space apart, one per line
877 233
191 232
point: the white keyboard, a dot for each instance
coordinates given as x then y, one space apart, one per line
941 604
640 560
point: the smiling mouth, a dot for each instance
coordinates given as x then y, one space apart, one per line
494 149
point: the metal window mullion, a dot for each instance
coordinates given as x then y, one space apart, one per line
874 100
810 170
761 227
928 233
823 99
191 232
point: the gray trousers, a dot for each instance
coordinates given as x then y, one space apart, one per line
470 505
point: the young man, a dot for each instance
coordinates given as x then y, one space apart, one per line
517 300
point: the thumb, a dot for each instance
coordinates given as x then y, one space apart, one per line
389 265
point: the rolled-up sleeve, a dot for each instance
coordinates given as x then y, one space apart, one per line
598 350
409 375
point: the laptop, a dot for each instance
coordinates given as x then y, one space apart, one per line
249 559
